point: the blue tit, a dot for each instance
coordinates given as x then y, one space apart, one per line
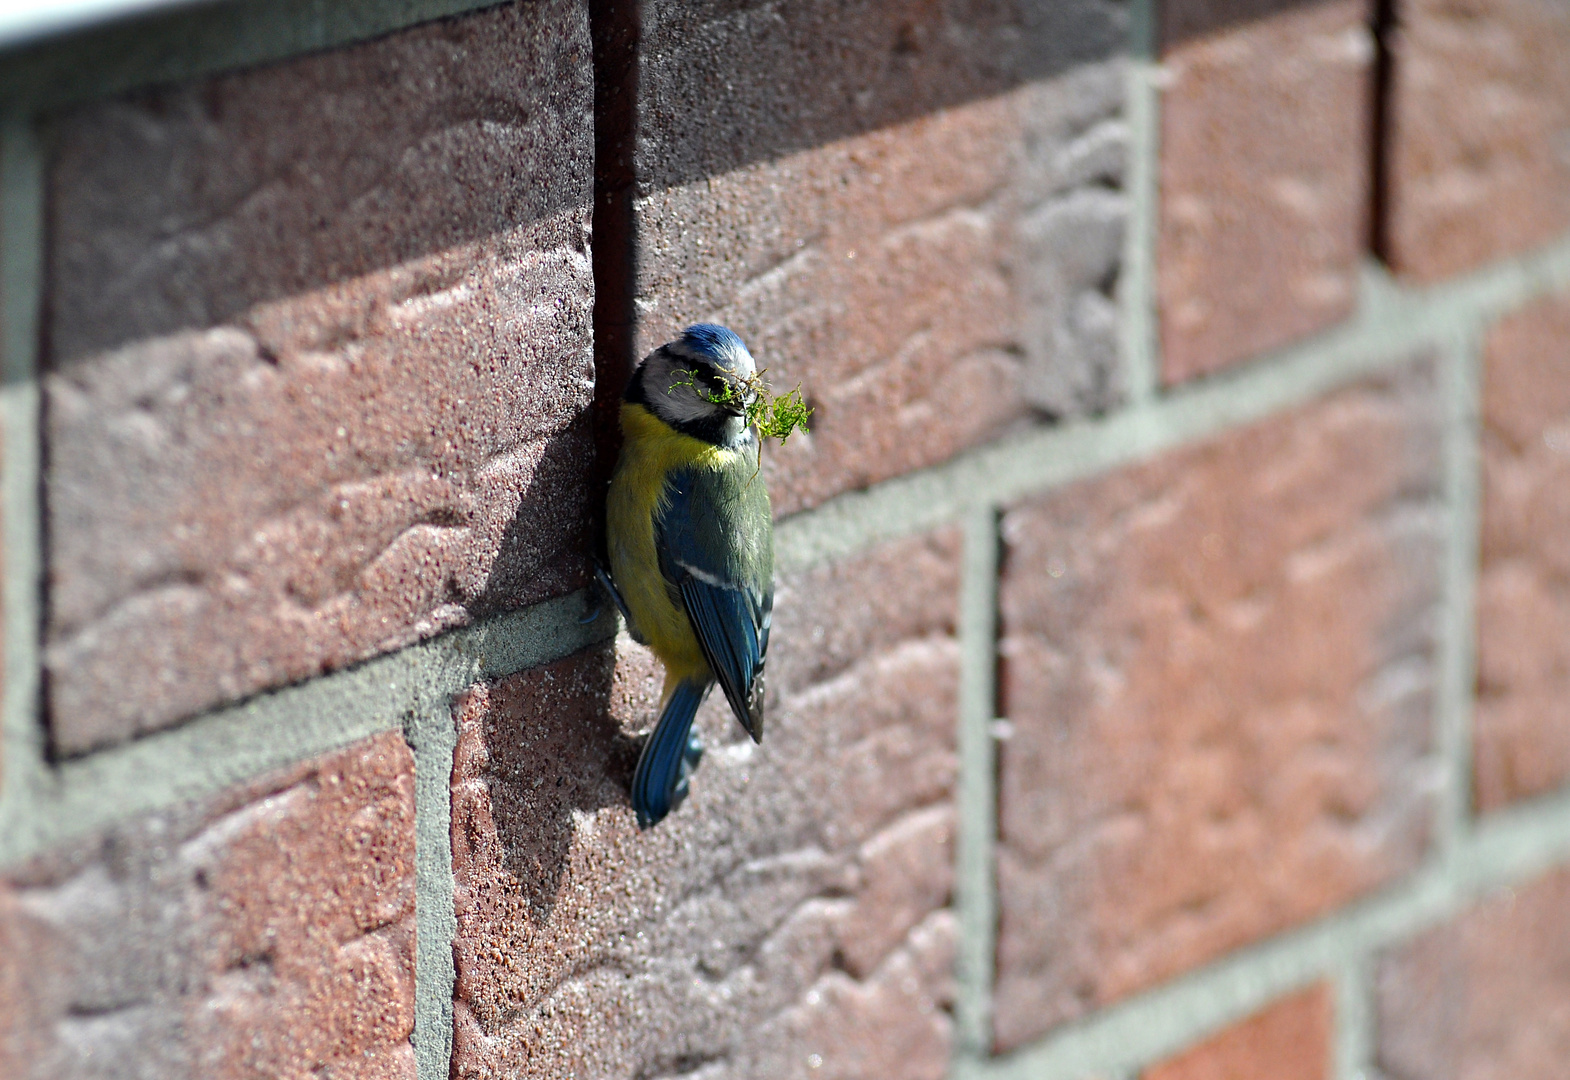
691 541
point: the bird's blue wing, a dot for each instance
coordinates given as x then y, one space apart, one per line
715 541
730 631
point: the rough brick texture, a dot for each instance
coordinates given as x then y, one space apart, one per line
268 932
914 210
1264 179
1522 718
1289 1040
319 363
1479 119
1486 997
789 919
1218 668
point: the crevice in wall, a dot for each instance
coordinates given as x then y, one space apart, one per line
24 271
614 28
1383 27
43 351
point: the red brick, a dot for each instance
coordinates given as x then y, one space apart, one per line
794 909
914 213
1485 997
267 932
1523 597
1218 668
1264 181
1288 1040
29 988
1480 111
319 363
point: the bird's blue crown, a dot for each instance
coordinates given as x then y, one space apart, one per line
717 344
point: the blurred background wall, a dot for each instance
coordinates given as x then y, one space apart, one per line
1171 676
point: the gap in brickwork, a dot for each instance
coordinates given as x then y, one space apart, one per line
42 352
614 29
997 731
1382 27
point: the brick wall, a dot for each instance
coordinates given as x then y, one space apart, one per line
1169 670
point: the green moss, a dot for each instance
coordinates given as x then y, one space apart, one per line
776 416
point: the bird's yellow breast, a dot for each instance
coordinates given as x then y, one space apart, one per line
651 451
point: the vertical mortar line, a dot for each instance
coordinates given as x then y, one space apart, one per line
1136 292
977 796
21 293
1462 372
1354 1020
433 735
317 28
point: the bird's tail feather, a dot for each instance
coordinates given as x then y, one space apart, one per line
660 782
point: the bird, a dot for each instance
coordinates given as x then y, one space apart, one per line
690 536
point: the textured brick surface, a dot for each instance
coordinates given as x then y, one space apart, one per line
790 919
320 358
1480 119
1218 668
1288 1040
1264 181
914 210
1486 997
1522 718
268 932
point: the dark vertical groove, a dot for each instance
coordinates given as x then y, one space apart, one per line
1146 24
1382 107
613 25
43 353
997 709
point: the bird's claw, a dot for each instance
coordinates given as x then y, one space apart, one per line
691 756
603 577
